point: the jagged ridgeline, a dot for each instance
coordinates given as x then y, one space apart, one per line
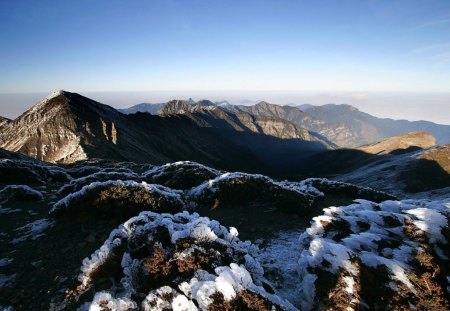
105 235
67 127
280 141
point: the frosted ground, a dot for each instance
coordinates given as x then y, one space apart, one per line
98 235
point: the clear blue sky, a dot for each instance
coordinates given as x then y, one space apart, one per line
93 45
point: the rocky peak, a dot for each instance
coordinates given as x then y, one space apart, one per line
56 127
176 106
182 106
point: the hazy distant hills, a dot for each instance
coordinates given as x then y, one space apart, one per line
67 127
343 125
144 107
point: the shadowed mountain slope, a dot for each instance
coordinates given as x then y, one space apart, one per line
67 127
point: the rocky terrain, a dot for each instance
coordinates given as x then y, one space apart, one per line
3 121
107 235
67 127
95 214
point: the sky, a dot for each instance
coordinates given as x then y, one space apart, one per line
197 47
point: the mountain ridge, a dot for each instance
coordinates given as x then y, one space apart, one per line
67 127
345 125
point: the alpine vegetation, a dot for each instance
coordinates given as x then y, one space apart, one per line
391 255
175 262
120 198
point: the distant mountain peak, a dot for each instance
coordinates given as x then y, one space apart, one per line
55 94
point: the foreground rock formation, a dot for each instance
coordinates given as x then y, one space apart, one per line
184 236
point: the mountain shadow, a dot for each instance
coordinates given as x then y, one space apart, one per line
408 170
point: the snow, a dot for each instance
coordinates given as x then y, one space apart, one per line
5 261
430 221
397 268
157 171
181 303
75 184
164 191
155 302
6 210
228 280
234 232
105 301
181 225
33 230
213 185
21 190
279 258
376 235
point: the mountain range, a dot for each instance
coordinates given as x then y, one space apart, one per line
344 125
66 127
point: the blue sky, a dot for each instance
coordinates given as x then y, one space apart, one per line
162 45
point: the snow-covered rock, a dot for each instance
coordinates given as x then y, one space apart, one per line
176 262
78 183
242 187
19 192
180 175
121 198
358 255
